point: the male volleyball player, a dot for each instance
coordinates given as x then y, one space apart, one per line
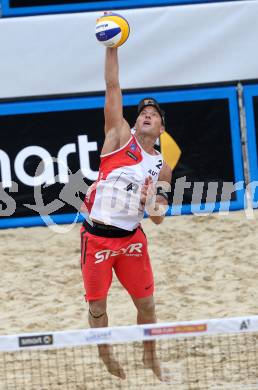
112 238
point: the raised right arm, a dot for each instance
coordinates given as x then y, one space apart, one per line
117 130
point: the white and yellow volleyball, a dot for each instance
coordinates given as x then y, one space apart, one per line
112 30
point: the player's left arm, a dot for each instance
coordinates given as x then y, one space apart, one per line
158 208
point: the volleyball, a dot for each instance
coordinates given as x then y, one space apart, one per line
112 30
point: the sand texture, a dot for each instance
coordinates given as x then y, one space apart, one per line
204 267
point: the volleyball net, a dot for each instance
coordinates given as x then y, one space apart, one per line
198 355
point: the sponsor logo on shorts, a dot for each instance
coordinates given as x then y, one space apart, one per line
95 336
33 341
175 329
131 250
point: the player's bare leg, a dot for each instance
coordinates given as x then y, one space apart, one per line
146 315
98 319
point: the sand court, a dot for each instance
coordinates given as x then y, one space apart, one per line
204 267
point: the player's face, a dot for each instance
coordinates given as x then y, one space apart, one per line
149 122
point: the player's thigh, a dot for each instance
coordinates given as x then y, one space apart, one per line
133 268
97 276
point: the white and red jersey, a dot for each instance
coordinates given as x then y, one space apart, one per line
115 199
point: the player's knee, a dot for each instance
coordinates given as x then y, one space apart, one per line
97 308
147 309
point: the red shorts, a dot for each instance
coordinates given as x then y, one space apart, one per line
129 258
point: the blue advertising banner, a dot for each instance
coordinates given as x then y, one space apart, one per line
36 7
251 109
201 144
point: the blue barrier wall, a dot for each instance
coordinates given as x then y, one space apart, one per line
250 93
9 10
130 100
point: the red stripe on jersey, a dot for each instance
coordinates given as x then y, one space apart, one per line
127 156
